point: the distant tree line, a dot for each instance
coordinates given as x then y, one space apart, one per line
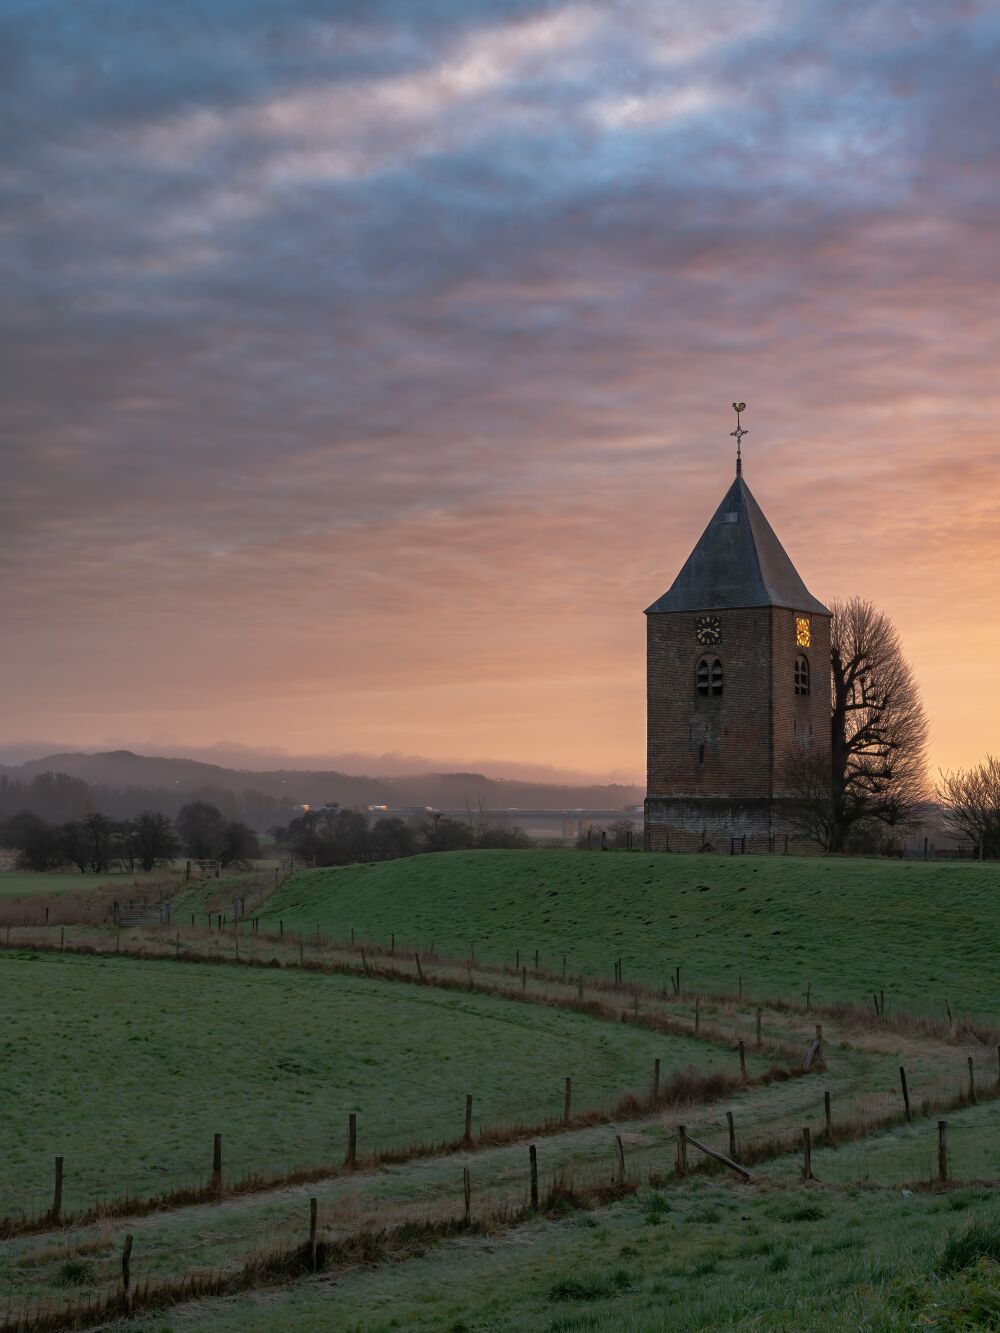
97 843
334 836
59 798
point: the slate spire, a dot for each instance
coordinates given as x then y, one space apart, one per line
738 562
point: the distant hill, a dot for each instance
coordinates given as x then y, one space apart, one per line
122 782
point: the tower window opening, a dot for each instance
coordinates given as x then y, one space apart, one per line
801 675
708 677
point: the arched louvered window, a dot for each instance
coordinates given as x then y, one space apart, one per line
801 675
708 676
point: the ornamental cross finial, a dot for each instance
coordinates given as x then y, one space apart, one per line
737 435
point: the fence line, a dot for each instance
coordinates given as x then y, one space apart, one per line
591 1185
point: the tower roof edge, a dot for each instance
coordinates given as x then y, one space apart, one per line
738 562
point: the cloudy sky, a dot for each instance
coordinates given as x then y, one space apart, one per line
368 364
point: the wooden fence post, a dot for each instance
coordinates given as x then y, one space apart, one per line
743 1061
468 1117
697 1014
621 1156
57 1194
564 968
972 1082
656 1081
568 1100
731 1123
682 1150
312 1233
217 1165
533 1165
739 987
758 1028
467 1191
392 944
807 1169
677 979
352 1139
524 977
420 970
827 1116
62 937
906 1095
536 960
127 1274
942 1150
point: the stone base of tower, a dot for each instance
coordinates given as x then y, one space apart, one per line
722 825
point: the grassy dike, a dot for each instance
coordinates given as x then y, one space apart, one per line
924 933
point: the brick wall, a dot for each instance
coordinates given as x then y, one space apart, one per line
715 763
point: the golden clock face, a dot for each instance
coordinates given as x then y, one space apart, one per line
803 632
708 629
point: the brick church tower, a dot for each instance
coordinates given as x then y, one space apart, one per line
737 680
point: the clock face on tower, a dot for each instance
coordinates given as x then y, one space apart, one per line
708 629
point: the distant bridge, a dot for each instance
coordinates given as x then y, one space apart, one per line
565 823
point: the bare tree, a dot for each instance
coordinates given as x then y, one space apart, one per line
878 727
970 804
154 838
878 733
809 776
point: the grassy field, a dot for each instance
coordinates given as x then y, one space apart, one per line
706 1256
19 883
127 1068
923 932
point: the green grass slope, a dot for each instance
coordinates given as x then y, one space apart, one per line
924 932
128 1068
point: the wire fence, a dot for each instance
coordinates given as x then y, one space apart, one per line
963 1147
74 1188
